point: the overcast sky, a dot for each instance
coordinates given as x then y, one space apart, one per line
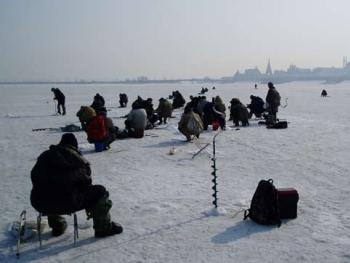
118 39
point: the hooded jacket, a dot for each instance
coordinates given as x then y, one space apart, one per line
137 119
165 108
273 100
60 178
190 124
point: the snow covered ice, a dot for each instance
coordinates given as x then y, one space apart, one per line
164 200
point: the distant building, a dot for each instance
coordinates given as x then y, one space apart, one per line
249 74
268 69
328 74
253 72
293 69
345 61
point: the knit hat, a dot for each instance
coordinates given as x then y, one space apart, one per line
69 139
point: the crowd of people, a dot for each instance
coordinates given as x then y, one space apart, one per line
61 177
101 129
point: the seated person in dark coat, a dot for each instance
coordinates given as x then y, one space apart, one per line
62 184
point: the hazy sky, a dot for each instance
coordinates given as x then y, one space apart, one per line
118 39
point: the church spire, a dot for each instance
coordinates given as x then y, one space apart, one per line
268 69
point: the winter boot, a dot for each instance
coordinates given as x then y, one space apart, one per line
114 229
58 225
271 119
102 220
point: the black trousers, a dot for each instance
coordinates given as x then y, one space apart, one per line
92 195
61 103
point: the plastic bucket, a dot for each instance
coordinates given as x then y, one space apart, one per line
215 125
99 146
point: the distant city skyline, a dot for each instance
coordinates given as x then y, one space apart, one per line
61 40
292 73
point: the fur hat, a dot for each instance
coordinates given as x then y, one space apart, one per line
69 139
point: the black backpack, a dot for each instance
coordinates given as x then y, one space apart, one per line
278 125
264 207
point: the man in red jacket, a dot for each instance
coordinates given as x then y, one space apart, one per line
101 129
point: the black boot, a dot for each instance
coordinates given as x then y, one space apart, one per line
56 232
114 229
102 220
58 225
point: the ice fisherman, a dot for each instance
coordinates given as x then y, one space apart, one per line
62 185
61 99
238 112
123 100
164 110
85 114
324 93
178 100
98 104
136 121
273 101
101 129
190 124
210 115
256 106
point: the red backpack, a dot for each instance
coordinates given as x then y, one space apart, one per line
97 130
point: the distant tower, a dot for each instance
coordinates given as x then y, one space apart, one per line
268 69
345 61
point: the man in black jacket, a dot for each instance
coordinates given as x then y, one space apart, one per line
62 184
123 100
59 96
256 106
